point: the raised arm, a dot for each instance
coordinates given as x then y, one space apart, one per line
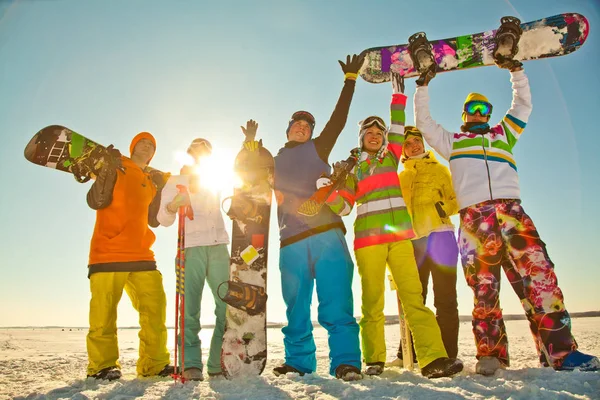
435 135
397 116
517 116
326 140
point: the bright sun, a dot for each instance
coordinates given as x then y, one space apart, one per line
215 171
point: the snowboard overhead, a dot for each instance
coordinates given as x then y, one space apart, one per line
244 351
548 37
58 147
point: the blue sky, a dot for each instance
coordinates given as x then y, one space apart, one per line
189 69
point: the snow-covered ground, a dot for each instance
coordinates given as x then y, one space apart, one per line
50 364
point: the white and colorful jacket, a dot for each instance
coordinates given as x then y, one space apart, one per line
482 166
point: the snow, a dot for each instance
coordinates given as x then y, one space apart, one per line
540 40
50 364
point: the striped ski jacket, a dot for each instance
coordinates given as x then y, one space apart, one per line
482 166
373 184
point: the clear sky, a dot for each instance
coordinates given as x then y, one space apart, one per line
186 69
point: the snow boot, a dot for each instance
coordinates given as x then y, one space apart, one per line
488 365
193 374
580 361
442 367
348 373
375 368
107 374
285 369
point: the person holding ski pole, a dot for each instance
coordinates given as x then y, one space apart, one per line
313 249
126 195
495 231
383 233
430 199
206 257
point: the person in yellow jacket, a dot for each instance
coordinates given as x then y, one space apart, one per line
125 198
427 190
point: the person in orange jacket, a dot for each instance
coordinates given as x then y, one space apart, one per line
126 196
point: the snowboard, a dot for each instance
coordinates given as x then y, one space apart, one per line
548 37
313 205
405 335
244 351
58 147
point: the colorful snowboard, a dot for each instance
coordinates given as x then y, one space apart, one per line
244 351
60 148
549 37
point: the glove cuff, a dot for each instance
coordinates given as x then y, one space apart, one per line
350 75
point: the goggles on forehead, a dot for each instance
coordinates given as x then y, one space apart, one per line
372 121
483 107
303 116
200 143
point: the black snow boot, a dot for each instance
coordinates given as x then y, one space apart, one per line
107 374
442 367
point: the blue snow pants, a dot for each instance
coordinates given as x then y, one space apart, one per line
324 259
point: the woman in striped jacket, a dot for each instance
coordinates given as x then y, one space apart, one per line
383 231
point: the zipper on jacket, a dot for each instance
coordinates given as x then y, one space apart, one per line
487 167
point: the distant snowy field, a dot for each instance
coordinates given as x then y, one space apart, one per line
51 363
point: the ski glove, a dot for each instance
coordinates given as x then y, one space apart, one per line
352 65
159 178
427 75
397 82
182 199
440 210
507 63
113 158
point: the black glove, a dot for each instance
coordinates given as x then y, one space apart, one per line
397 82
353 64
507 63
158 178
427 75
440 209
113 158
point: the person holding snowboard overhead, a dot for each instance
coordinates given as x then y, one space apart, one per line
495 232
206 256
313 249
382 232
430 199
126 195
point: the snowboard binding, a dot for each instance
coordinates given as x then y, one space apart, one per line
506 43
421 54
246 297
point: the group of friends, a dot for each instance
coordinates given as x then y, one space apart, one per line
402 222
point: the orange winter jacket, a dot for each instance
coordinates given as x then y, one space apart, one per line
121 233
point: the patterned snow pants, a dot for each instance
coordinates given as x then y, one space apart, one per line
499 234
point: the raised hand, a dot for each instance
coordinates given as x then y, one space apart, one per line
353 64
250 130
397 82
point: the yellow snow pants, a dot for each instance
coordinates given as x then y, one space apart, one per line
400 259
145 289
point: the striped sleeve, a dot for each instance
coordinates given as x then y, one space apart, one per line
517 116
397 121
341 201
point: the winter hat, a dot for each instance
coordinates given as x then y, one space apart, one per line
301 116
473 97
365 124
408 132
138 137
199 141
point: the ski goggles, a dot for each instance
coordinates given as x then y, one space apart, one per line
303 116
200 143
483 107
372 121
